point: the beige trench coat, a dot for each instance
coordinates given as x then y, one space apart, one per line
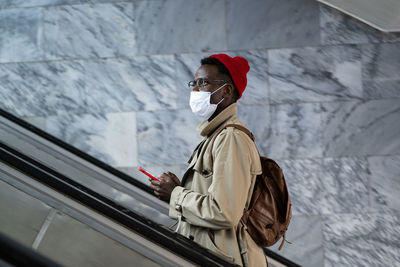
209 205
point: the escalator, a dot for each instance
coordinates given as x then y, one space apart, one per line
72 209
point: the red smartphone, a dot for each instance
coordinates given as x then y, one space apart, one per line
148 174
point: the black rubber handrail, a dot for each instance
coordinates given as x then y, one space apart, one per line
16 254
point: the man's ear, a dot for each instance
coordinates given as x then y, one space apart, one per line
228 91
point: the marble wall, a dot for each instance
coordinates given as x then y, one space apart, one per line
323 99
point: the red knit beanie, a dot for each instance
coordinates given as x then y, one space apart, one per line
238 67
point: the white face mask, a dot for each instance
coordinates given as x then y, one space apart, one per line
200 103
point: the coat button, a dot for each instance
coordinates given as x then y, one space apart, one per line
191 237
178 207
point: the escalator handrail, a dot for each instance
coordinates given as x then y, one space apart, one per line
16 254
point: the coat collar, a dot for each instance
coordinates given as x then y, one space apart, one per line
207 127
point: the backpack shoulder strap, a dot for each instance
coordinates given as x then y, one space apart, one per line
237 126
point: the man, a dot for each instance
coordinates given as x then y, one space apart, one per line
209 205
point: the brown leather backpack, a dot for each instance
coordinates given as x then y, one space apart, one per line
268 215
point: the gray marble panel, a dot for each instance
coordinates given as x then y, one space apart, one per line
306 249
27 3
180 26
167 137
361 128
33 3
326 186
285 131
21 34
101 30
258 120
22 216
296 131
381 61
73 243
340 28
272 24
381 88
344 185
315 74
304 183
385 182
141 83
370 239
42 89
109 137
381 70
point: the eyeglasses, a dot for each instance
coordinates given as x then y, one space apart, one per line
201 82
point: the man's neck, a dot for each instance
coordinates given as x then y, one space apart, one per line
219 109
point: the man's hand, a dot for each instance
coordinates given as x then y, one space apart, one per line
163 188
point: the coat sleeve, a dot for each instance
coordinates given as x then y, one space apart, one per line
222 206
